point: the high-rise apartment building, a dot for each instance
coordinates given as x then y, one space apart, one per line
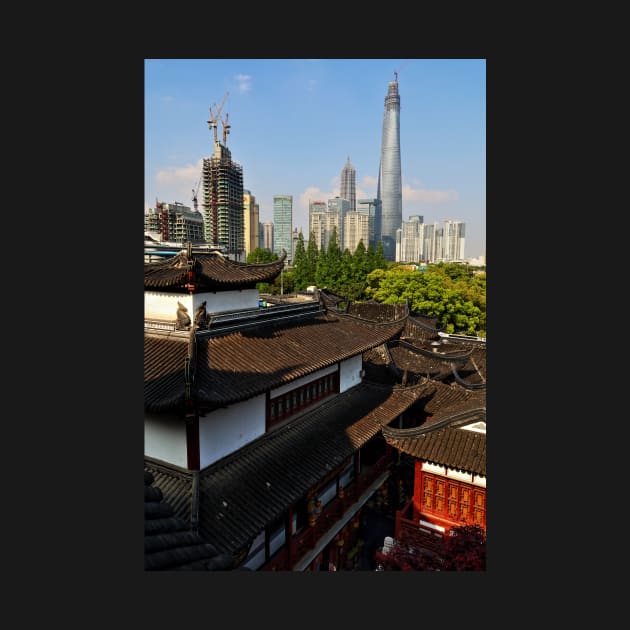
430 243
317 222
453 241
282 224
251 212
409 244
355 229
267 238
349 184
222 202
389 189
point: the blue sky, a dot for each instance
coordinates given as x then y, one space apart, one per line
294 123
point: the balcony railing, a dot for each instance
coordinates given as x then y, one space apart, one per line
409 530
305 540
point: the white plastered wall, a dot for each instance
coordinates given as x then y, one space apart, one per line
165 439
226 430
161 305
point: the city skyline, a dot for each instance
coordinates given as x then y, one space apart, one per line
294 123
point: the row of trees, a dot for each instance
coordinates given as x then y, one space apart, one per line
450 292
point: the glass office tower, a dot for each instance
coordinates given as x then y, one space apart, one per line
389 190
283 225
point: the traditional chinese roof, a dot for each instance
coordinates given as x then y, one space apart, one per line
450 445
169 543
246 490
211 271
450 401
440 439
229 367
409 360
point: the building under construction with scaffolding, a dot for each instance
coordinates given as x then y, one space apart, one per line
222 190
174 222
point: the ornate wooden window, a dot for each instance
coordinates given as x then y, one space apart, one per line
479 508
453 500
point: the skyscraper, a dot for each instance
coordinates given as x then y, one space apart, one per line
335 218
454 241
389 190
282 224
251 213
222 205
349 184
317 222
267 239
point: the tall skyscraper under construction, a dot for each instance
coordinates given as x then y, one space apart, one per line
222 203
389 190
349 185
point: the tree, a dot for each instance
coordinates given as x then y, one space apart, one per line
301 272
464 549
312 255
260 255
456 304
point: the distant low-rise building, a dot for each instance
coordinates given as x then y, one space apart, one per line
174 222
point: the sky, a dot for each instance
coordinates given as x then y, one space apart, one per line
295 122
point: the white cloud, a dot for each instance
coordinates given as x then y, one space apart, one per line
176 183
422 195
369 181
313 193
244 82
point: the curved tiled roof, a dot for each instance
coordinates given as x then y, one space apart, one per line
211 271
449 400
450 446
169 543
424 322
245 491
236 366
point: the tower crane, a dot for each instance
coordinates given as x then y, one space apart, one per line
195 190
226 129
214 115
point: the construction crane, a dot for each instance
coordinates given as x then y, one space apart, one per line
195 190
212 123
226 129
